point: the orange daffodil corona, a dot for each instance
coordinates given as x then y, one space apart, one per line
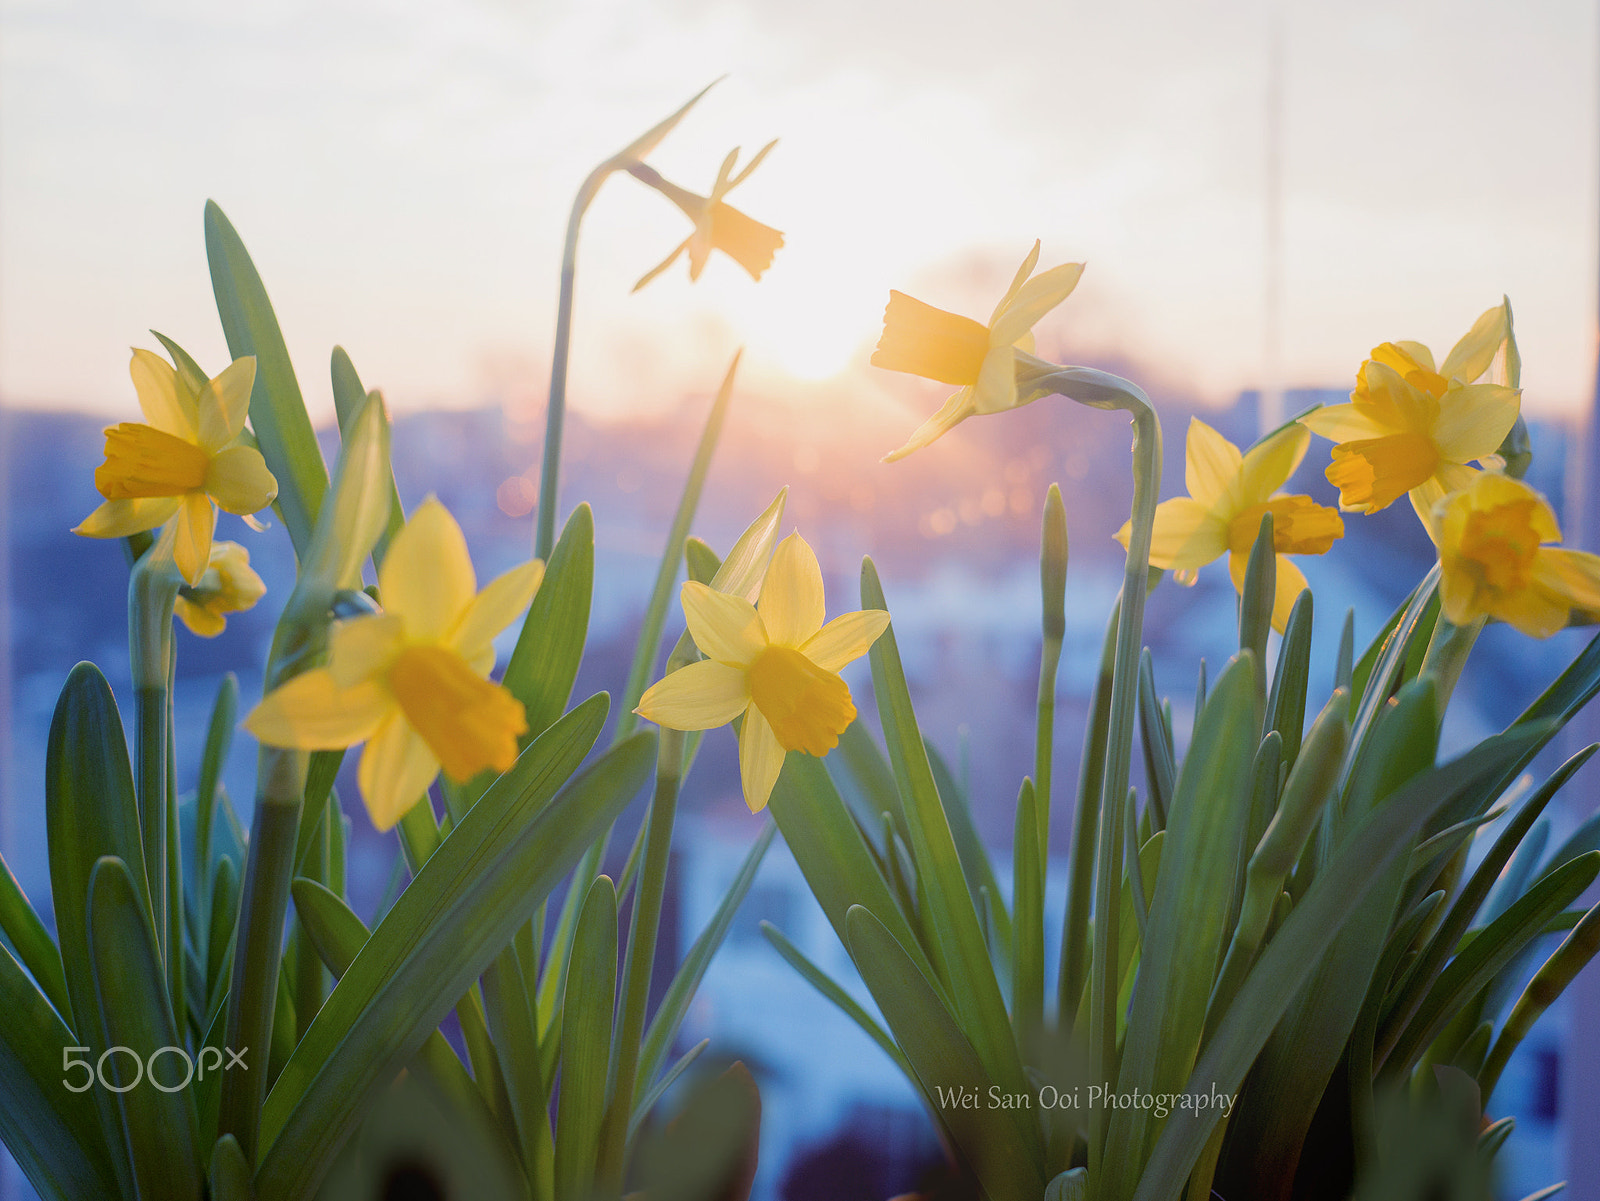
922 340
1413 428
717 224
774 662
411 682
1229 493
186 456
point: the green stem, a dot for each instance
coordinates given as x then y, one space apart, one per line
1446 656
152 592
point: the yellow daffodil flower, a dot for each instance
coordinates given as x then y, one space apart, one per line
229 585
1494 561
717 225
922 340
185 458
1228 495
411 682
774 662
1411 428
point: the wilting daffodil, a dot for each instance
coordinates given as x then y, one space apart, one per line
228 585
922 340
1494 561
774 662
717 224
186 457
1229 493
411 682
1413 428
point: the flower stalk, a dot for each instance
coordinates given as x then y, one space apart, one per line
152 593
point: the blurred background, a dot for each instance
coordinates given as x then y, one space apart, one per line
1262 190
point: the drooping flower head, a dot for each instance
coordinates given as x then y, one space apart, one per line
982 360
229 585
717 224
1229 493
773 662
184 457
1495 559
1412 428
412 682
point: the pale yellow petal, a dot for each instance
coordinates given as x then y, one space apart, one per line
662 265
1472 356
1427 496
1535 612
700 696
996 390
225 403
1573 575
200 620
191 548
725 628
119 518
956 410
238 480
396 769
1033 300
1420 355
845 639
427 575
311 712
1029 261
1268 465
1291 582
1458 592
164 405
496 607
1343 423
745 566
1187 535
360 648
791 604
760 759
1210 463
1474 419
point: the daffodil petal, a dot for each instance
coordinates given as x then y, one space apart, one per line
792 604
1420 356
1535 612
996 390
725 628
1210 463
496 607
1291 582
1029 261
163 403
238 480
1474 419
845 639
1571 574
662 265
1472 356
201 621
396 769
359 648
225 403
427 575
311 712
119 518
1425 497
956 410
191 548
1187 535
1033 300
760 759
1268 465
1343 423
700 696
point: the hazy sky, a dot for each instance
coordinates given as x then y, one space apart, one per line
402 172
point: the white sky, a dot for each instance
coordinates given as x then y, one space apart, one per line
402 171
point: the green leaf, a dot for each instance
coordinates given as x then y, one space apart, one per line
587 1007
975 864
999 1144
462 908
1160 763
158 1121
31 941
544 664
230 1174
348 397
1027 960
1257 598
277 412
346 530
219 738
1286 703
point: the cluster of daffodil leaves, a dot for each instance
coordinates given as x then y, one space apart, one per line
1290 918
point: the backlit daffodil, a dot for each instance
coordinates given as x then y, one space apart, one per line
922 340
411 682
229 585
717 225
1493 561
1412 428
1228 495
186 457
774 662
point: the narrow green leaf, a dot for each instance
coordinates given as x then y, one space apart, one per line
544 663
974 856
1027 958
230 1174
1160 763
32 942
277 412
1286 703
830 988
219 739
1256 601
586 1032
